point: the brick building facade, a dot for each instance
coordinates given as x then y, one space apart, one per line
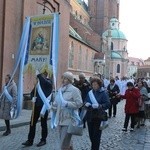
80 34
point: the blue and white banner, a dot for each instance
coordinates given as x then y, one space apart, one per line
38 49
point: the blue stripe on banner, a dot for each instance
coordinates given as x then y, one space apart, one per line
9 97
23 48
28 44
55 44
22 44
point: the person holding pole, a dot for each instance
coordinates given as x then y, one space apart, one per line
38 103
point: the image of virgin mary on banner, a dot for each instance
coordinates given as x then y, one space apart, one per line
39 50
42 47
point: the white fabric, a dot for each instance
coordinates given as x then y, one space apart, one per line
95 106
37 72
34 99
87 104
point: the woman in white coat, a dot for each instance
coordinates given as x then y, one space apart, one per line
68 97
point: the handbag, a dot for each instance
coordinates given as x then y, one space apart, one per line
99 115
75 129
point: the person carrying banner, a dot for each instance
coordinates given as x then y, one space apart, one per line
8 102
46 86
67 102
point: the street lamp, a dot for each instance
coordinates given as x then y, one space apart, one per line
44 7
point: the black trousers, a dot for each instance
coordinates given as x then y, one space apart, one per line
95 134
32 129
113 108
127 118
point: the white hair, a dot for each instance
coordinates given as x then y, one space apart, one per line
82 75
68 75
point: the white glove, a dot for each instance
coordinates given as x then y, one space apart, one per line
64 103
88 104
37 72
95 106
54 103
34 99
12 112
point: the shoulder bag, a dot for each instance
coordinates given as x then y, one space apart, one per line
75 129
99 115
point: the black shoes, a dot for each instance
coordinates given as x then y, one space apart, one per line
131 130
6 133
27 143
41 143
124 129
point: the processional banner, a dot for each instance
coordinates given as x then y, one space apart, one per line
42 48
38 49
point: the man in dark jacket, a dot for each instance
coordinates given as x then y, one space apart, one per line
46 86
84 86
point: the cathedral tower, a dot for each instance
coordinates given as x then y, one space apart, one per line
101 12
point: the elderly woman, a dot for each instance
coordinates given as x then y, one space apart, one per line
97 98
68 98
141 114
8 102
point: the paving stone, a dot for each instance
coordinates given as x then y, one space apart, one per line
112 138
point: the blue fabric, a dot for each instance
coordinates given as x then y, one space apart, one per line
55 45
102 98
46 86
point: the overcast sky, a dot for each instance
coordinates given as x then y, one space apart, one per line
135 24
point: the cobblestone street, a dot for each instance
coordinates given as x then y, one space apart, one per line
112 137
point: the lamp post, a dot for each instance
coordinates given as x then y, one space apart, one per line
108 54
44 7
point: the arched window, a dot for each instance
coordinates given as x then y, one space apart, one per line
80 17
76 13
112 46
71 55
80 58
118 68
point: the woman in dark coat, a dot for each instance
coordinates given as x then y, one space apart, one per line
6 105
101 99
131 108
113 90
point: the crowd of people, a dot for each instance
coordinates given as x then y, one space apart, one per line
76 96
